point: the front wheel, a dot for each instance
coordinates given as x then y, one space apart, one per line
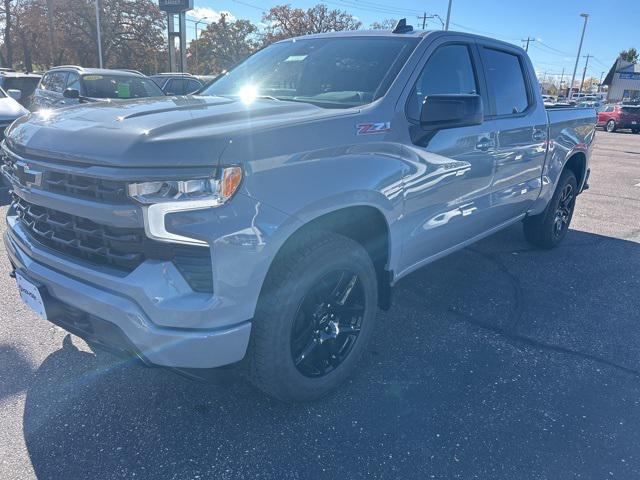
611 126
635 130
314 319
549 228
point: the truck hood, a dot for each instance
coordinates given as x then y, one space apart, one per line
190 131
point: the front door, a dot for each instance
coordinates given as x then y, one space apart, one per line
447 191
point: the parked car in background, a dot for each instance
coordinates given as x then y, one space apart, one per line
548 99
269 216
21 82
70 85
177 83
617 117
10 109
595 104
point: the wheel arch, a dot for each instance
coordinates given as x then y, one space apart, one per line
366 225
577 163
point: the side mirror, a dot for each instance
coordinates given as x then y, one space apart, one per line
15 93
71 93
451 111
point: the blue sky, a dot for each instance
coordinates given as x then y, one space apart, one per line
556 24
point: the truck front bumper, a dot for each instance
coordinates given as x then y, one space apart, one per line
128 314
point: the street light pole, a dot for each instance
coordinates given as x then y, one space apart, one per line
98 33
575 69
446 25
197 62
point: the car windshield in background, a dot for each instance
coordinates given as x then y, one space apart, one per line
328 72
119 86
25 84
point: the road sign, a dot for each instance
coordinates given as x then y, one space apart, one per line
175 6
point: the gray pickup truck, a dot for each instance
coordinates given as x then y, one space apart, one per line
262 222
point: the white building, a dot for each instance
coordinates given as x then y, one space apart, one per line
624 82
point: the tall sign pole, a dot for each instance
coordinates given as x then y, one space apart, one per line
172 41
98 33
180 8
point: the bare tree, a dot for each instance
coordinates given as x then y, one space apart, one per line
224 43
386 24
284 21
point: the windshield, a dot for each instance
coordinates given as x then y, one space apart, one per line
328 72
119 86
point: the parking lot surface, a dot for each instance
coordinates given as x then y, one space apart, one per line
498 362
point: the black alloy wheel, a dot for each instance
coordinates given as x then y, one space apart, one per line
564 211
327 323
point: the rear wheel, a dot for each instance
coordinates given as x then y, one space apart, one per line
549 228
611 126
635 130
315 317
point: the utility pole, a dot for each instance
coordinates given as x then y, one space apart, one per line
98 33
528 39
600 82
561 79
584 72
446 25
424 20
575 68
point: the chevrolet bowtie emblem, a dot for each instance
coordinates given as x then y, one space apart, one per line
28 176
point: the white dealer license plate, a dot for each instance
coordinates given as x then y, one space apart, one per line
633 122
31 295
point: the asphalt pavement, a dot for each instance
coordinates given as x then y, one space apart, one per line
498 362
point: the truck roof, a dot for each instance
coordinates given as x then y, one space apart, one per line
411 34
98 71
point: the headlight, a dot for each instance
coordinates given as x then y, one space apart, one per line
162 197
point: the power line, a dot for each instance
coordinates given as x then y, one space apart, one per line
554 49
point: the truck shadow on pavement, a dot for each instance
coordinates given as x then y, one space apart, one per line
497 362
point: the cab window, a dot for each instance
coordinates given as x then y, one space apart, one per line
449 70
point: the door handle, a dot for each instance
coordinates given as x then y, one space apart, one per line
485 144
539 135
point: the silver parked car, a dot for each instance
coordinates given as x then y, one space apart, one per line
70 85
10 109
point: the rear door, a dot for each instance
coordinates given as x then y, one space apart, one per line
447 191
520 121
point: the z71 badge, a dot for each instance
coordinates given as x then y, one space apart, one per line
368 128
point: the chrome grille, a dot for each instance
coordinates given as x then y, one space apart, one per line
120 248
78 186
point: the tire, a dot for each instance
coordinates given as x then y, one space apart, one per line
303 345
610 126
549 228
635 130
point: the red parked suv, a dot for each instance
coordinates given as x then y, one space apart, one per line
615 117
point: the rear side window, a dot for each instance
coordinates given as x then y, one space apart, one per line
192 86
175 86
506 81
448 71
